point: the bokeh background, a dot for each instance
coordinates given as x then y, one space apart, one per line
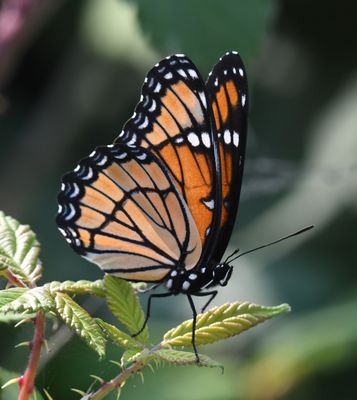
70 76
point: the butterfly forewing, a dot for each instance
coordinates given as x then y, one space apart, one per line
121 210
228 91
173 120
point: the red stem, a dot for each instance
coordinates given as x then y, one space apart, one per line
27 382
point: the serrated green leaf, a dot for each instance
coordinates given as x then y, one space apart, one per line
78 319
10 318
19 249
95 288
31 300
222 322
125 306
129 356
118 337
9 295
177 357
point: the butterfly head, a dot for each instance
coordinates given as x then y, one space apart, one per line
198 279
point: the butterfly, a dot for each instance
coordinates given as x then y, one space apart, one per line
159 204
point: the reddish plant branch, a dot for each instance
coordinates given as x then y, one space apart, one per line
27 381
13 279
115 383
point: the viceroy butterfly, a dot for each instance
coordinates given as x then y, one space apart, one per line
159 204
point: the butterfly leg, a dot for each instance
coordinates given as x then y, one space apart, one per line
148 308
194 316
213 294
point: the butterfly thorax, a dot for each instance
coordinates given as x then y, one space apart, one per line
198 279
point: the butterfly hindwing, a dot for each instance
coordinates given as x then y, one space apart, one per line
173 120
120 209
228 90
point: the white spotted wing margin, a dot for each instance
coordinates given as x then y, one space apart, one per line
120 209
227 87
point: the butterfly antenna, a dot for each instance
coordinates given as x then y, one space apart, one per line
227 260
269 244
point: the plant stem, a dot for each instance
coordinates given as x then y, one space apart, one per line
116 382
13 279
27 382
120 379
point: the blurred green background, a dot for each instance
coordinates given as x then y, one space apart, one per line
70 76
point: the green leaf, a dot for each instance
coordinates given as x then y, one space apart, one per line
95 288
9 295
222 322
19 249
78 319
129 356
118 337
177 357
11 318
31 300
125 306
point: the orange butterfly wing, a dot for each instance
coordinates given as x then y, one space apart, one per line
173 120
228 89
120 209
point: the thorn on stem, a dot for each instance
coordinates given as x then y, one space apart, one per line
12 381
22 344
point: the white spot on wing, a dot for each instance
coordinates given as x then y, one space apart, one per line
203 99
132 140
144 124
243 100
192 73
227 136
72 212
75 191
121 155
102 161
235 139
209 204
168 75
241 73
89 175
153 106
206 140
193 139
186 285
179 139
182 73
169 283
141 156
157 88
